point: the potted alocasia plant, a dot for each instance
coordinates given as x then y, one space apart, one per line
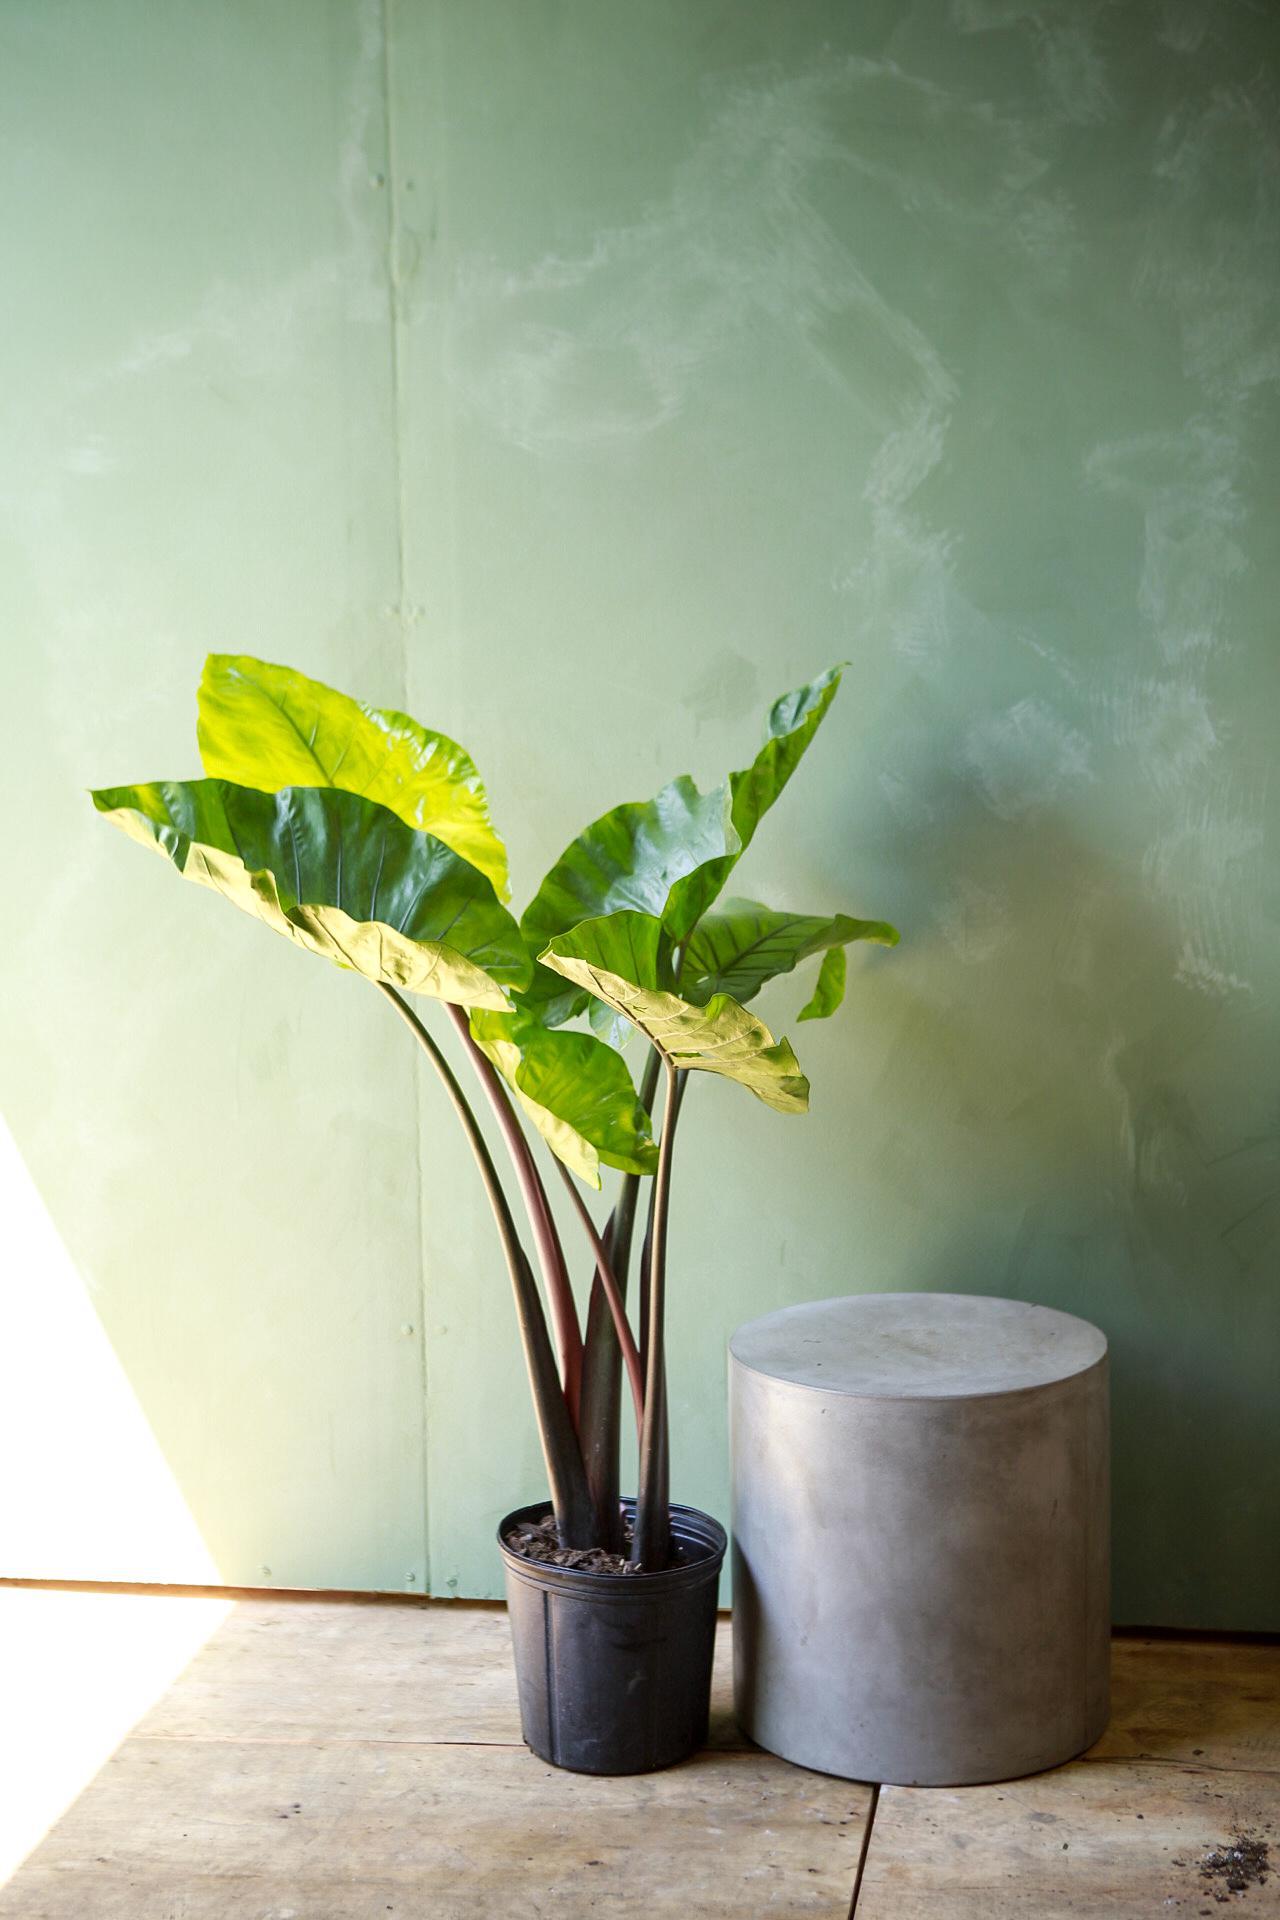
366 838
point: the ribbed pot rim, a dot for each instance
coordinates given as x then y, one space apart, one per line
691 1527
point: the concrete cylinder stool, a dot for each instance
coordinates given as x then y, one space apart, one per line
921 1536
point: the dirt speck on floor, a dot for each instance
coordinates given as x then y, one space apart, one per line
1243 1862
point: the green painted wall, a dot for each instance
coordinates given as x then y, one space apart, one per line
582 376
211 1145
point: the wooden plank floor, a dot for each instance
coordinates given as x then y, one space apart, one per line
331 1760
1192 1756
346 1761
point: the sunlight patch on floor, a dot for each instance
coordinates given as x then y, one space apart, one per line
77 1671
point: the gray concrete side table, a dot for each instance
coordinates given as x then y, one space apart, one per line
921 1536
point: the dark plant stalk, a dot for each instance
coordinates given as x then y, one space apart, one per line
676 959
646 1262
566 1474
652 1544
599 1423
600 1415
642 1309
663 1440
555 1273
646 1251
613 1295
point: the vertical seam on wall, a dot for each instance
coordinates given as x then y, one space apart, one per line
393 305
393 348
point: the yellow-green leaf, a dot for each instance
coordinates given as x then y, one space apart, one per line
268 726
829 991
618 957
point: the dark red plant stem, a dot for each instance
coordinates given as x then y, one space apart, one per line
555 1273
646 1261
618 1311
566 1474
600 1415
652 1545
646 1252
600 1422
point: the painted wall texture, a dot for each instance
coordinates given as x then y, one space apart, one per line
581 376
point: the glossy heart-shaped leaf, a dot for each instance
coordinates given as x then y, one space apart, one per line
266 726
793 721
619 958
575 1089
670 856
339 875
630 857
737 947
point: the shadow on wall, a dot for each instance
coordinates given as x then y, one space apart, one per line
1077 1116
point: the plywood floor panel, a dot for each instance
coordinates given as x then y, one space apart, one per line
341 1761
1192 1755
1096 1840
354 1830
303 1669
346 1761
1206 1703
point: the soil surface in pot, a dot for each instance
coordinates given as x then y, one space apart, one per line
540 1541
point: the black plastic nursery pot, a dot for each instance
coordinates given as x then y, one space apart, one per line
614 1669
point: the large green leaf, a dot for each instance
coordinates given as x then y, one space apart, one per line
670 856
340 875
739 946
619 958
630 857
267 726
793 721
575 1089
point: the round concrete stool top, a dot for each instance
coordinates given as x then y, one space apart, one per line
918 1346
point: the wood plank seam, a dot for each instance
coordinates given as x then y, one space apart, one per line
339 1740
1150 1760
887 1853
864 1849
